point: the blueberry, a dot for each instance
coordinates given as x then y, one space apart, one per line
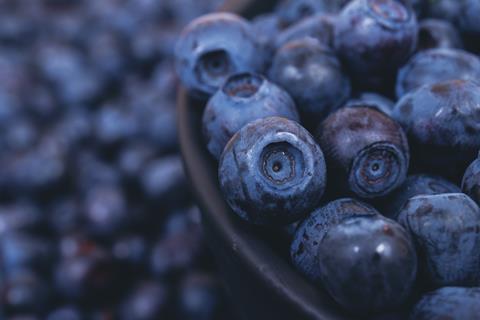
471 181
446 230
445 9
434 33
214 46
163 182
243 98
436 65
319 27
367 152
453 303
373 267
113 124
292 11
304 248
313 76
468 19
148 301
266 27
74 80
21 251
105 209
371 100
272 172
414 185
375 37
442 123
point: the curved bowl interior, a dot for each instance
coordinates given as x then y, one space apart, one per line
262 282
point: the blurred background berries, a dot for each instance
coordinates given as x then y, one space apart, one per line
96 221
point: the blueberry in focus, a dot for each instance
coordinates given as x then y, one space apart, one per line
374 264
455 303
446 230
304 250
442 121
373 38
213 47
435 33
313 76
367 152
272 172
414 185
243 98
437 65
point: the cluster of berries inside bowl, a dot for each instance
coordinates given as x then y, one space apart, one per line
354 126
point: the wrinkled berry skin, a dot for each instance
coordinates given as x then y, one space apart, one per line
453 303
442 122
304 248
214 46
436 65
319 27
371 100
313 76
471 181
242 99
435 33
272 172
446 230
374 37
373 266
414 185
367 152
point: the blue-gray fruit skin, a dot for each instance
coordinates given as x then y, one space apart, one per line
242 99
452 303
371 100
319 27
366 262
471 181
313 76
468 19
446 230
375 37
292 11
435 33
437 65
304 250
414 185
214 46
442 122
266 28
448 10
367 152
272 172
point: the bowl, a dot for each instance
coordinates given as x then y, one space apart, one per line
260 281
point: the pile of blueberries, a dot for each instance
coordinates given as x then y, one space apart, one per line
354 127
96 221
